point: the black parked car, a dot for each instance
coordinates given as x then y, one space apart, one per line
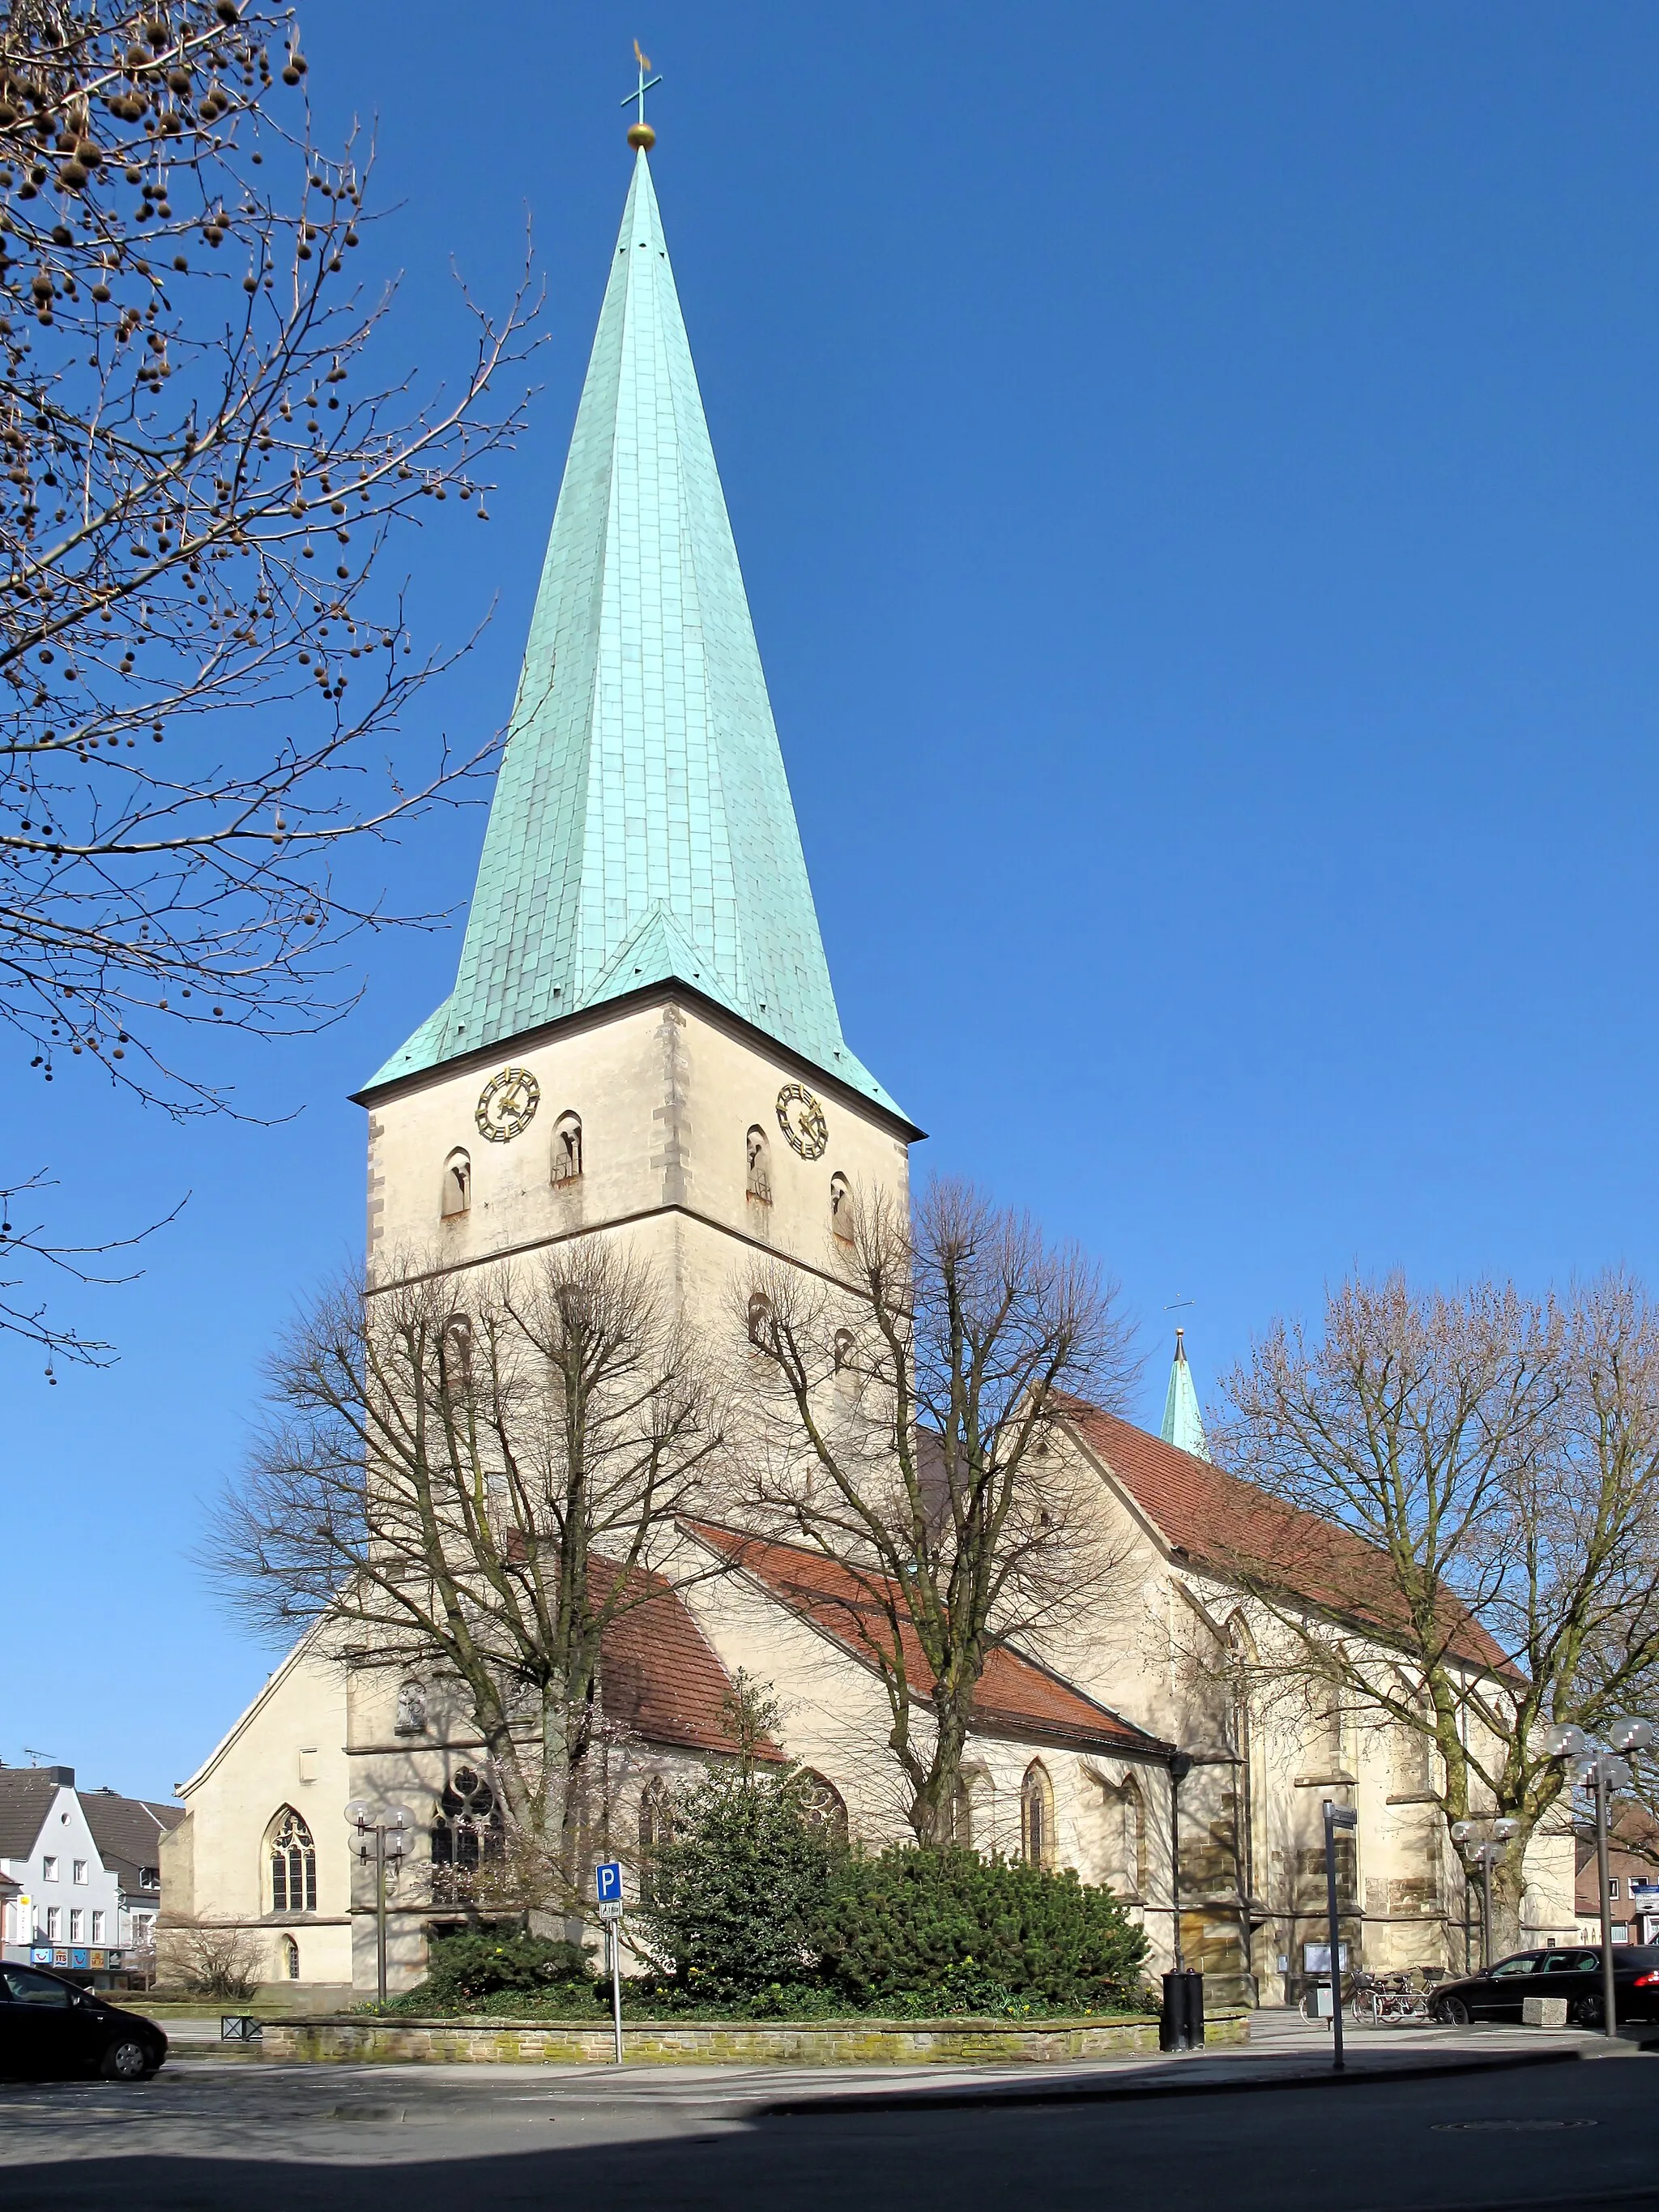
50 2025
1574 1974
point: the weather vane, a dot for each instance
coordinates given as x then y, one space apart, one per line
639 134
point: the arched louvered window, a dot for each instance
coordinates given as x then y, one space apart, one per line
458 1184
759 1183
760 1320
840 1208
567 1148
293 1864
1036 1816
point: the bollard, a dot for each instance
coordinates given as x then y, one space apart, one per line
1181 2024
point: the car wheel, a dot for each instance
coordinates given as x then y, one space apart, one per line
127 2059
1452 2012
1588 2012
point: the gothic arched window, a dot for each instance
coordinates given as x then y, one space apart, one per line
1036 1816
844 1347
458 1184
1132 1809
290 1959
293 1864
760 1320
759 1184
656 1826
840 1207
822 1805
567 1148
467 1835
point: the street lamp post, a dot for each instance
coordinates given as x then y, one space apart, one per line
392 1828
1602 1771
1485 1855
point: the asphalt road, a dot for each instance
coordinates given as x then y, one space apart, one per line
315 2139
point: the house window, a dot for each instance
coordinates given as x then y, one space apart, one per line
411 1710
97 1926
759 1185
78 1869
49 1869
293 1864
567 1148
1036 1816
1613 1885
458 1185
77 1923
54 1922
290 1959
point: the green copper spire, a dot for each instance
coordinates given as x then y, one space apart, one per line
1183 1426
642 827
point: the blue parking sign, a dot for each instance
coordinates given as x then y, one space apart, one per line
607 1881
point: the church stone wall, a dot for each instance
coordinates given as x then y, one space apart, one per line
288 1751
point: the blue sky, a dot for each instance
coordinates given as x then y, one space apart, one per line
1194 470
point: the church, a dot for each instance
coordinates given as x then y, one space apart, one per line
643 1044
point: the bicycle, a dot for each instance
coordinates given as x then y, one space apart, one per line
1381 1997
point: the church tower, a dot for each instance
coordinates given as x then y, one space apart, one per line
642 1037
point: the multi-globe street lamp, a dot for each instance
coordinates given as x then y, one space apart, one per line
386 1832
1466 1834
1603 1770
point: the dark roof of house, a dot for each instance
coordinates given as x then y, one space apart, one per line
128 1829
26 1795
661 1676
1216 1520
1016 1696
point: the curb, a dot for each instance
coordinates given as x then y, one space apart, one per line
923 2099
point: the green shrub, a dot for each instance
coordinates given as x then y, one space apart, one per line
733 1901
478 1963
917 1929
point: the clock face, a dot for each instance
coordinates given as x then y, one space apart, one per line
507 1104
800 1117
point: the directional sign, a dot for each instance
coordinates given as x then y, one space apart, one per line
607 1881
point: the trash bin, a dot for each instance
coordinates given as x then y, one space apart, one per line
1180 2025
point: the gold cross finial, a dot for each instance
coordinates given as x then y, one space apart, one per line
640 136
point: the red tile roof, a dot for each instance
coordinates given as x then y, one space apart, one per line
1219 1522
1016 1696
661 1678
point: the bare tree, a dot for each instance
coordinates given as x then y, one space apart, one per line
485 1472
209 1960
1498 1456
903 1424
202 657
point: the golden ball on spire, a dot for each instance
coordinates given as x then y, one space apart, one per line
641 136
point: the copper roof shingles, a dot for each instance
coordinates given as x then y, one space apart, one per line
1016 1694
1224 1524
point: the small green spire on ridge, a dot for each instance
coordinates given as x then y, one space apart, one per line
1183 1424
642 827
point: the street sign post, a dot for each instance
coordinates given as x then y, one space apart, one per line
607 1887
1336 1816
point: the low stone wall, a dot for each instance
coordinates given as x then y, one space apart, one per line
725 2042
